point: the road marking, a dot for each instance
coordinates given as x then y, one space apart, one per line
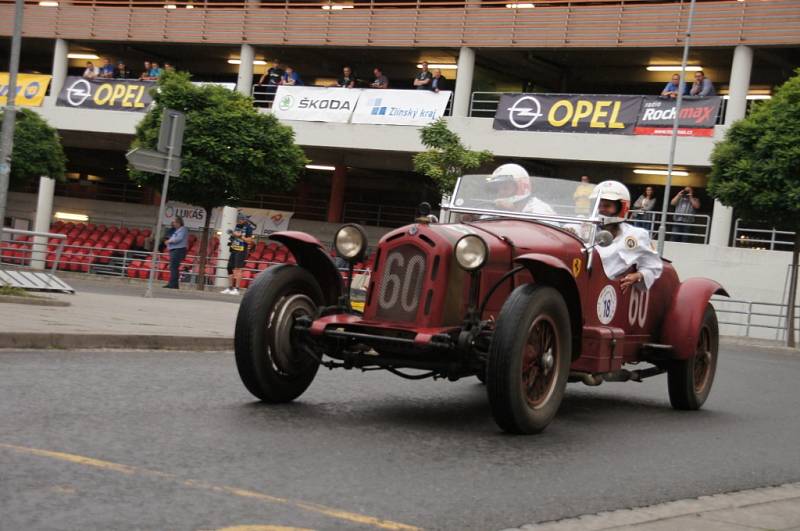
242 493
263 528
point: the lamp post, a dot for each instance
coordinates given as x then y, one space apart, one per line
10 114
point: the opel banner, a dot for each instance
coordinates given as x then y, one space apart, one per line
31 89
698 116
315 104
400 107
569 113
111 94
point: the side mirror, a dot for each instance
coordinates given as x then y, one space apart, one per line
603 238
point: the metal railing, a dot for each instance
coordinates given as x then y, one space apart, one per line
694 228
760 238
29 254
750 317
554 23
382 216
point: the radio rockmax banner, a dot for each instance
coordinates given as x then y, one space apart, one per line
569 113
31 89
363 106
110 94
697 118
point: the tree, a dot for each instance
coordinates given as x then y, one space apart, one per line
447 158
756 169
37 149
230 150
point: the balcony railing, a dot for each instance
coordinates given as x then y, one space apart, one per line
414 23
750 237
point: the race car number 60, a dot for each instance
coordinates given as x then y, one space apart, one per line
407 288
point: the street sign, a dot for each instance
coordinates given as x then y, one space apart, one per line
170 120
153 161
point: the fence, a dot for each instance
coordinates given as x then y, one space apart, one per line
759 238
763 320
695 229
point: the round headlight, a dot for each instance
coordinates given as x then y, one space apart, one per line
351 242
471 252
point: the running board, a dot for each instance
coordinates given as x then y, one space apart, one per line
33 281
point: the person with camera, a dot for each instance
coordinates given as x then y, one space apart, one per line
239 243
686 204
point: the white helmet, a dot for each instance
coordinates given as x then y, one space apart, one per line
613 191
516 174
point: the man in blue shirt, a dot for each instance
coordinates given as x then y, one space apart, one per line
107 70
702 86
176 244
671 90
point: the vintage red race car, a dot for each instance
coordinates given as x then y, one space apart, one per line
518 299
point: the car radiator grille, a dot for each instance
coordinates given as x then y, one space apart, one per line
401 284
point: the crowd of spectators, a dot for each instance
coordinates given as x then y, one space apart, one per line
151 71
702 87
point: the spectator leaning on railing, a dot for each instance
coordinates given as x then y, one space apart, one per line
645 205
291 78
155 71
91 71
672 88
702 86
381 81
107 70
348 79
122 72
438 81
145 75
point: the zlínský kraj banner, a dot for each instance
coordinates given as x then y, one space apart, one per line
31 89
111 94
315 104
400 107
569 113
698 116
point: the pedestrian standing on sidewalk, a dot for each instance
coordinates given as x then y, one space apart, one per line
176 244
239 243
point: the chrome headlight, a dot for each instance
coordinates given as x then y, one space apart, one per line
351 242
471 252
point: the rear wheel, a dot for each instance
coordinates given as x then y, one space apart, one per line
529 359
272 363
690 380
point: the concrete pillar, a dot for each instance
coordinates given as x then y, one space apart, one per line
44 213
227 222
336 204
722 217
463 89
60 65
244 83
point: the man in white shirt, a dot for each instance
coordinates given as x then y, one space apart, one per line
631 245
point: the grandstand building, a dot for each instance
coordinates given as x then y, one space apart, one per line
591 49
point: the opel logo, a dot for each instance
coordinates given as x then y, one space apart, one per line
78 92
528 108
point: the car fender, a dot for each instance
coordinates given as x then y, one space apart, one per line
682 320
552 271
311 255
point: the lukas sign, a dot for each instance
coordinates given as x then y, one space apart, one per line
111 94
316 104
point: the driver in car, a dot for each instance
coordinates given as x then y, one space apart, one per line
512 187
631 245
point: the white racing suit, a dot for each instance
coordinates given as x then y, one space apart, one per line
632 246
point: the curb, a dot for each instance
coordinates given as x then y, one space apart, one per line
32 301
33 340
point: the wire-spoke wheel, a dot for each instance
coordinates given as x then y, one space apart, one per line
527 372
690 380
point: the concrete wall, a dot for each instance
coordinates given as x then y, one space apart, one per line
477 133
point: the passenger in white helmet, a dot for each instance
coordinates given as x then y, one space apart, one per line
631 245
512 187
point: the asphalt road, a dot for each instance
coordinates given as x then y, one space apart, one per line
152 440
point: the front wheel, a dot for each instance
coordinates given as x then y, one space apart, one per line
272 363
690 380
529 359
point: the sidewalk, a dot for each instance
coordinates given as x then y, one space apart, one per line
105 314
772 508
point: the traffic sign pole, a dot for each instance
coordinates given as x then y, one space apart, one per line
9 116
173 133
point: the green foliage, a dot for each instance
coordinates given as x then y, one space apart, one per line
230 150
756 169
37 149
446 159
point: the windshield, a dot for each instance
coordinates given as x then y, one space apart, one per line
557 201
